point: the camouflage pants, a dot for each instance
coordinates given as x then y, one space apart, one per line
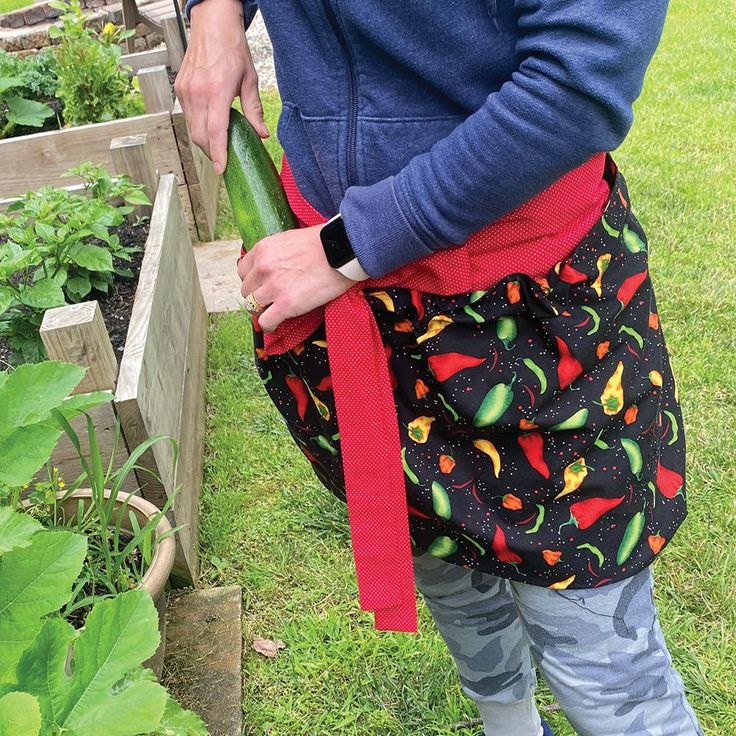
601 651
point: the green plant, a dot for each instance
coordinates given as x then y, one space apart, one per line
55 679
58 248
36 73
93 85
32 397
17 110
112 565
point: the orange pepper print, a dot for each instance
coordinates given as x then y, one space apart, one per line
511 502
551 556
421 389
447 463
513 292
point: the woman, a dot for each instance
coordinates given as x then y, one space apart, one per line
469 350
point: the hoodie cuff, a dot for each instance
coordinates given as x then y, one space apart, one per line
378 229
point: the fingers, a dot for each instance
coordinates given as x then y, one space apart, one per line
218 118
250 101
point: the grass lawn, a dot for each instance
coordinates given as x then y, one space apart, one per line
8 6
268 525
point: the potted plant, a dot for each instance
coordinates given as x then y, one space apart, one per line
130 541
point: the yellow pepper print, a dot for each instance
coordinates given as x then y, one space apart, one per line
435 326
562 584
656 378
419 429
488 448
573 475
382 296
612 397
602 263
320 343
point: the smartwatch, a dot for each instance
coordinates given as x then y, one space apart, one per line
338 250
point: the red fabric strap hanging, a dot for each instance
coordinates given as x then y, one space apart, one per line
531 239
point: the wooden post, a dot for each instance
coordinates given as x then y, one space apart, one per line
170 29
77 334
130 18
154 83
132 156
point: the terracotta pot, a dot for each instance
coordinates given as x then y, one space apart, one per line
154 580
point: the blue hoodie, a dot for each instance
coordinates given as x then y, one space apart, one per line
422 121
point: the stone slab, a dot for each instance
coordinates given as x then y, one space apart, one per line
218 276
204 649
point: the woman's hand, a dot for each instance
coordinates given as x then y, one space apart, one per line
216 68
289 275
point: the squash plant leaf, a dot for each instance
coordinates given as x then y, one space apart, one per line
97 687
25 451
179 722
31 391
19 715
34 581
16 530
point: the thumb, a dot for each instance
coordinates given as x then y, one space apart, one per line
250 101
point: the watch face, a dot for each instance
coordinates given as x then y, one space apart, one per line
336 244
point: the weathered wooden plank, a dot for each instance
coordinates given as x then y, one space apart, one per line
191 431
204 184
142 59
151 382
131 155
204 208
32 161
172 38
185 145
76 333
155 88
186 204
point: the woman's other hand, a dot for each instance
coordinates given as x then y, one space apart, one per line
217 68
289 275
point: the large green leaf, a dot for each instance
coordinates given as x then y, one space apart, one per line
180 722
24 451
27 112
44 294
6 298
99 695
7 83
34 581
16 530
91 256
32 391
20 715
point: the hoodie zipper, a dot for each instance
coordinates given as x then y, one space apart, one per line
351 164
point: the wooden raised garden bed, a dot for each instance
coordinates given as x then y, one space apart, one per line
32 161
159 385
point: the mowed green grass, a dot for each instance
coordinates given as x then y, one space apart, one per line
268 525
8 6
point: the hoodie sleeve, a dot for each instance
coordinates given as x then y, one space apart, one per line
582 65
250 8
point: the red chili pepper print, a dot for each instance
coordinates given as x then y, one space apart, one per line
501 549
629 287
583 514
299 392
416 300
570 275
533 447
669 482
325 384
446 365
569 367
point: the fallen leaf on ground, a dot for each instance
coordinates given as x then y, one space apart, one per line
268 647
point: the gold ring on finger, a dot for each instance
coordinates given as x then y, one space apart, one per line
252 305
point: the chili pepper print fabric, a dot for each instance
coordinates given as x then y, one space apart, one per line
542 437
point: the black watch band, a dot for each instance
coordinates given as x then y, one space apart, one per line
335 242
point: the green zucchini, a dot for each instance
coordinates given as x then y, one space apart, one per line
257 198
